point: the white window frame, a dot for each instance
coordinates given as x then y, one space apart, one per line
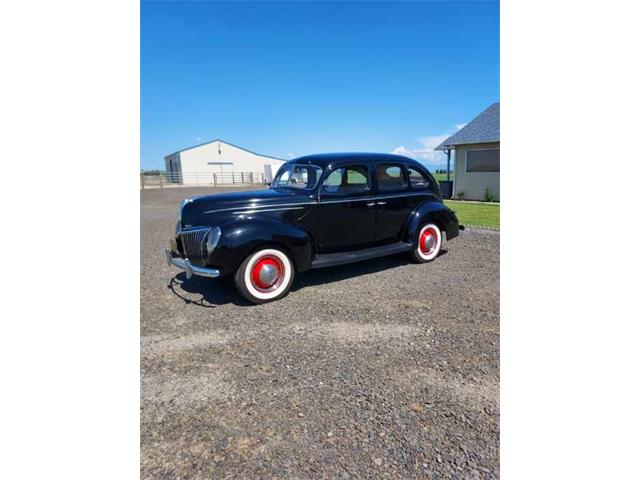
466 158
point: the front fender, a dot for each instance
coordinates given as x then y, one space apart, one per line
432 212
240 237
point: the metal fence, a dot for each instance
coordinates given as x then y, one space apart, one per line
174 179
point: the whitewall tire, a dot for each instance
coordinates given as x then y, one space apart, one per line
265 275
428 243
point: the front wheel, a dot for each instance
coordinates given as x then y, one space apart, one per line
264 276
428 244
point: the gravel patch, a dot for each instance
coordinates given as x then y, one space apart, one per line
381 369
353 332
159 344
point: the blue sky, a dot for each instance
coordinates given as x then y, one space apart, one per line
292 78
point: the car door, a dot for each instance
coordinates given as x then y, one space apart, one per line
345 217
393 201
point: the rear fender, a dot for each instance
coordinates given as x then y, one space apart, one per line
432 212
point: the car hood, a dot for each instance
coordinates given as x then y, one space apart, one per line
208 209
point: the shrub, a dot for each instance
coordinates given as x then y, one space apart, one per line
489 196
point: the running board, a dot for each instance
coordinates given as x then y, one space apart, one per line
331 259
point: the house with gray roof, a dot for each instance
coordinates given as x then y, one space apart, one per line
476 149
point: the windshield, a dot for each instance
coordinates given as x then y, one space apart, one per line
302 177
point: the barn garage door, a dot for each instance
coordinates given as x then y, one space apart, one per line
221 167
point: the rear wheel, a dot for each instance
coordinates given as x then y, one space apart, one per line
264 276
428 243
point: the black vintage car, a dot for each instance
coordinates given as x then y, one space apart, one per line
321 210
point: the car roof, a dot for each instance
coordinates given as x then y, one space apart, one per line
323 159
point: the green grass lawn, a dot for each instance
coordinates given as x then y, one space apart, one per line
471 213
440 177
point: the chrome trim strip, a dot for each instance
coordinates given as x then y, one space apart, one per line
354 199
379 197
253 207
266 210
189 269
192 229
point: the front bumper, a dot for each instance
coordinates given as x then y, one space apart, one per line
189 269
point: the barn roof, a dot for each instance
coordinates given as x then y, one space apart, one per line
482 129
226 143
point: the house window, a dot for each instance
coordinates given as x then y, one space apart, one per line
483 160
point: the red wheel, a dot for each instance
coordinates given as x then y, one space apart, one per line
265 275
428 240
428 243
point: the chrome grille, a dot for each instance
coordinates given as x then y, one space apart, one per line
193 242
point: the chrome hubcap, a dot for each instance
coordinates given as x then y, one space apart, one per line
268 274
428 241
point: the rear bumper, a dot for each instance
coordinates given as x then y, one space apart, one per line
189 269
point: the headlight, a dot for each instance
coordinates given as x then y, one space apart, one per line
213 237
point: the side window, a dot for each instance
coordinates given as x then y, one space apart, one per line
333 181
347 181
417 180
391 178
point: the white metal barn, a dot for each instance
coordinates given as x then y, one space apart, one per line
218 162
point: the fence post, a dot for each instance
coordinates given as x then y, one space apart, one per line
142 181
233 177
161 181
251 178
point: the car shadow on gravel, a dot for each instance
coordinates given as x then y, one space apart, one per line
350 270
215 292
212 292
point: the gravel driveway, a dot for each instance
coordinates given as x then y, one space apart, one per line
382 369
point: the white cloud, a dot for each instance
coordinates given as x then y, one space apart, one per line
198 139
401 150
426 152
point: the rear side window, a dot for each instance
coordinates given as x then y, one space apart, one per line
347 181
391 178
417 180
